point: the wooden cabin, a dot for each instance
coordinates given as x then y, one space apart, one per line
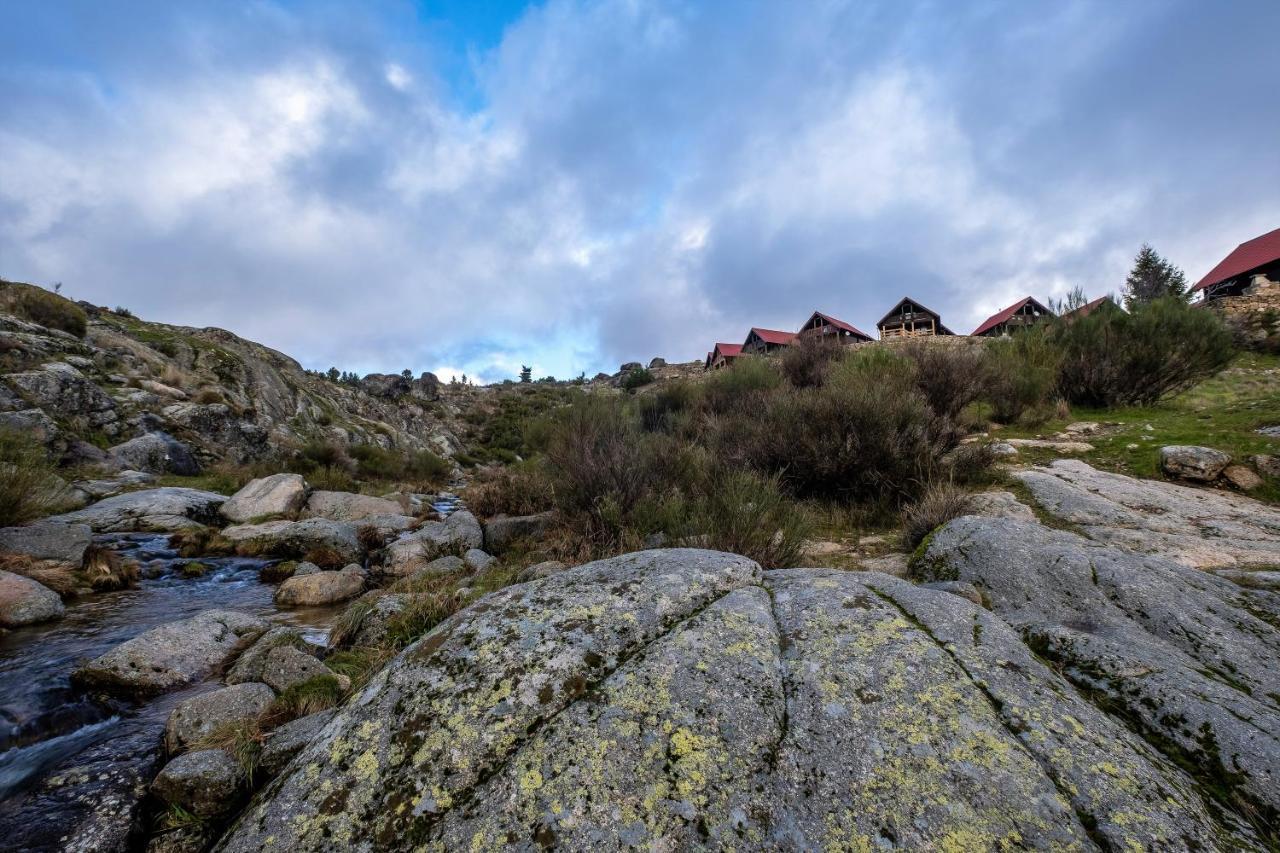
764 341
1102 303
910 319
1021 314
827 328
722 355
1251 270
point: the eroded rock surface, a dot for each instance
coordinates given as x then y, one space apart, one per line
683 699
455 535
294 539
266 497
163 509
1201 528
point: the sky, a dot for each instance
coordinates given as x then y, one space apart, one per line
468 187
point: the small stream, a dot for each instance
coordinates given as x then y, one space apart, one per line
63 751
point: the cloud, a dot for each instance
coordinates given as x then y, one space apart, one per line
621 179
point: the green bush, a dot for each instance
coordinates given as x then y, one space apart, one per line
427 467
742 386
48 309
637 378
27 484
806 363
745 513
1021 375
520 489
950 377
1113 358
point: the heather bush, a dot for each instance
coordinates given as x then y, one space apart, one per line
27 485
40 306
950 377
742 386
520 489
806 363
1113 358
1021 375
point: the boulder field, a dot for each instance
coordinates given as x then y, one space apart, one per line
685 699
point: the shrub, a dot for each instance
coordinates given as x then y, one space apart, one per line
316 694
660 411
209 396
241 739
325 455
520 489
27 484
104 569
49 310
742 386
806 363
424 612
1021 375
939 504
349 622
748 514
950 377
1111 358
359 664
377 463
637 378
428 468
370 537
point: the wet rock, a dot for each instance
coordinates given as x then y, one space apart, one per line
207 783
1196 527
1179 650
201 715
24 601
156 453
345 506
172 655
286 666
266 497
455 535
541 570
288 740
164 509
249 667
294 539
502 530
1202 464
477 560
1242 478
48 540
319 588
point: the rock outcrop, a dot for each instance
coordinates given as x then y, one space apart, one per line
164 509
48 540
172 655
1202 464
24 601
319 588
201 715
155 453
346 506
1196 527
683 699
294 539
500 531
457 534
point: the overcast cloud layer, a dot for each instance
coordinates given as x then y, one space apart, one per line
571 185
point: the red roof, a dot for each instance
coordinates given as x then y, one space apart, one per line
1003 316
728 350
772 336
1249 255
839 324
1088 308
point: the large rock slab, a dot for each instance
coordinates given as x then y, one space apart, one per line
288 740
163 509
454 536
347 506
172 655
266 497
235 438
319 588
1196 527
200 716
63 391
1190 657
293 539
48 540
24 601
155 453
682 699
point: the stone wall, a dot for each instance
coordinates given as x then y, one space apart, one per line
1254 315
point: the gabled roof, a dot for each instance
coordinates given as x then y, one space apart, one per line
726 350
839 324
1003 316
936 316
1249 255
1089 307
772 336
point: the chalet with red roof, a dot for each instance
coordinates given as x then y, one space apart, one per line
1021 314
722 355
1101 303
827 328
1252 269
764 341
910 319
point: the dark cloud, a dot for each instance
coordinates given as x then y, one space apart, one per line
621 179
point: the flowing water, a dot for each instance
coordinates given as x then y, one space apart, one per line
63 751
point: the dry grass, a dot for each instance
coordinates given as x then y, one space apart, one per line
104 569
941 503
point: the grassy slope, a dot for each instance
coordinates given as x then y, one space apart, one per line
1223 412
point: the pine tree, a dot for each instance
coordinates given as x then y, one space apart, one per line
526 373
1152 277
407 373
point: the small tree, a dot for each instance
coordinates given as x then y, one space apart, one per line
407 373
526 373
333 374
1152 277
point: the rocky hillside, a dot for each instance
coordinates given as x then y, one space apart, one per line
98 386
